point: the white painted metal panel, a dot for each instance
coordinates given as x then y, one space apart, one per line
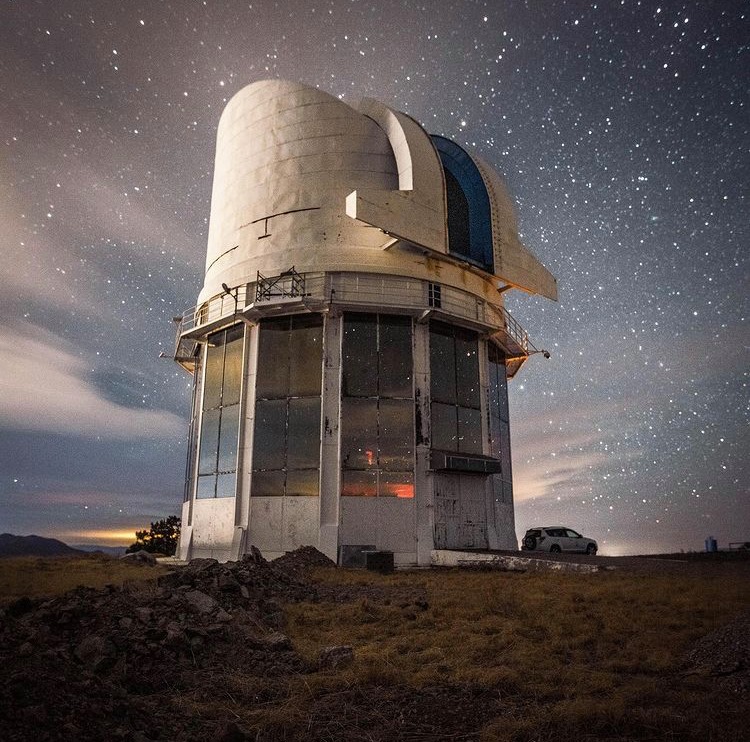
397 525
213 528
301 522
266 523
358 518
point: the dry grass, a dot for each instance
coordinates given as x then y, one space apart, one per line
37 577
471 655
596 656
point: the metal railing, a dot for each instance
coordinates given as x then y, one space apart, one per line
355 290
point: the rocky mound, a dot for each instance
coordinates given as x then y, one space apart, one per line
114 663
725 655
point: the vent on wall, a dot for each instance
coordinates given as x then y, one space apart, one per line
441 461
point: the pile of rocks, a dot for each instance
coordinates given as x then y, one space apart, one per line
725 655
109 663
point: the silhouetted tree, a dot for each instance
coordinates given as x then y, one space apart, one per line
161 539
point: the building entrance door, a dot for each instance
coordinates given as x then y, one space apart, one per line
460 512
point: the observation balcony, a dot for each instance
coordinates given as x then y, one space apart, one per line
291 292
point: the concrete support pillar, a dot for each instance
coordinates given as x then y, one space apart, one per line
330 463
247 431
423 479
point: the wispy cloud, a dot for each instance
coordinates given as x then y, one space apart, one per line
44 387
558 452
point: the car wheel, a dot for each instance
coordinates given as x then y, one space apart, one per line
554 549
591 550
530 542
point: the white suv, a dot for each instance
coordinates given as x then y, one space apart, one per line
556 539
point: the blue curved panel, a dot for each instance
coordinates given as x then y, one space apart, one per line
469 222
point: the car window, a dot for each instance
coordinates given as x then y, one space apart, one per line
572 534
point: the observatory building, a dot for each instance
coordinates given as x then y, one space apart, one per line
350 349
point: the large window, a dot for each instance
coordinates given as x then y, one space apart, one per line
220 414
456 418
498 409
286 454
377 407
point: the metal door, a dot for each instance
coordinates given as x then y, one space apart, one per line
460 512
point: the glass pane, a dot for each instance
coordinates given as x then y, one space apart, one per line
443 419
467 369
505 450
225 485
396 484
232 369
304 482
358 483
469 430
306 355
396 434
273 359
228 432
442 365
498 380
303 439
395 357
359 443
359 349
205 488
267 484
269 439
209 441
214 362
502 392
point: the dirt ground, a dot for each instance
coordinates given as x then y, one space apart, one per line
161 661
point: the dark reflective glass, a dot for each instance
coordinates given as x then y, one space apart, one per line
273 359
206 486
443 424
209 441
505 451
396 484
359 483
359 441
232 372
469 430
303 433
359 349
270 433
498 380
442 364
228 433
395 434
225 485
267 484
467 370
395 373
214 367
306 355
303 482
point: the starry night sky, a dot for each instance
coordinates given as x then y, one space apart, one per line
620 127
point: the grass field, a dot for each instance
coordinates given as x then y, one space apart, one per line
37 577
516 657
568 655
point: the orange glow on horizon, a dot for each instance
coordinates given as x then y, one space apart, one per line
103 536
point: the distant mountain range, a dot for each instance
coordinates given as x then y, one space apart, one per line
114 551
13 546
